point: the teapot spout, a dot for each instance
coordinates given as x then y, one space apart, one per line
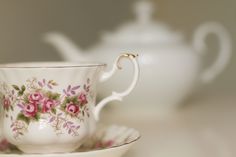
64 46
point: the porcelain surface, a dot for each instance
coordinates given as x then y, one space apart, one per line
112 141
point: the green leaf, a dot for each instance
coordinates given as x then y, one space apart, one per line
15 87
48 94
74 99
23 88
63 106
67 100
20 93
26 100
37 117
11 108
22 117
55 96
54 111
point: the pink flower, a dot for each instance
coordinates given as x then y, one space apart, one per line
35 97
72 109
30 110
4 145
105 144
6 103
82 99
48 104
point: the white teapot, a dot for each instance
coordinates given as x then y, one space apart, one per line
170 67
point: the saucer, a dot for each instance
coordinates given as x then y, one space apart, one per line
111 141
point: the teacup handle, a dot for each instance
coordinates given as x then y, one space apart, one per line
107 75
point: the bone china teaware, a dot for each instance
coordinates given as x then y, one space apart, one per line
50 107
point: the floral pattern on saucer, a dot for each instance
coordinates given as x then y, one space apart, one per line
5 146
109 137
104 139
36 99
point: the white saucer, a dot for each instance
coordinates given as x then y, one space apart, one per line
112 141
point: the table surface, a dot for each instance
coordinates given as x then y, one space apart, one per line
203 127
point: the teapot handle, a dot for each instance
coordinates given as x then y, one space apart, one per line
225 48
109 74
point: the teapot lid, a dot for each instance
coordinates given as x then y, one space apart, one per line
143 29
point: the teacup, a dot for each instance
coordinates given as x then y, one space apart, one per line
50 107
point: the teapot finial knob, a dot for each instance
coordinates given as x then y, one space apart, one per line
144 10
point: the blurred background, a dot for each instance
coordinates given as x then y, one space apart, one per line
24 22
205 128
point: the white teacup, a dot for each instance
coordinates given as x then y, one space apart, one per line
50 107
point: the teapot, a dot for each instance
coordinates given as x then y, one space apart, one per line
170 67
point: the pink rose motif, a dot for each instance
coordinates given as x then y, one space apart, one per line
30 110
6 103
82 99
35 97
48 104
105 144
4 145
72 109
